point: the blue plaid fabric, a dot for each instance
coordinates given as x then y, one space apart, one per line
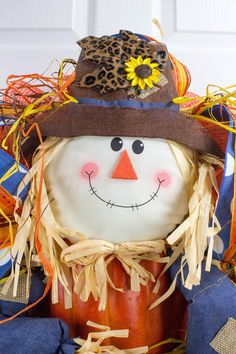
11 184
6 121
5 261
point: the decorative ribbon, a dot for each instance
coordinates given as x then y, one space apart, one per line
110 55
92 255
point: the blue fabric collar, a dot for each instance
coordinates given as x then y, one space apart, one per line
129 104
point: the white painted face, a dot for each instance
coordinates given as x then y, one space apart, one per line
117 189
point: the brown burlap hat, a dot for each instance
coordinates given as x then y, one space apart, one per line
124 85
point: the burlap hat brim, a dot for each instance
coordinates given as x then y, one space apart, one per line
76 119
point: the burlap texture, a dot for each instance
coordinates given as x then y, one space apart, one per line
78 119
75 119
21 295
165 94
225 340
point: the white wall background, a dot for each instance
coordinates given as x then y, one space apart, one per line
201 33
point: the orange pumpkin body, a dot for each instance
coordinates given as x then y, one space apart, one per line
128 310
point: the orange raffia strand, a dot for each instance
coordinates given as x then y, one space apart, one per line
12 85
10 237
65 85
46 264
7 205
181 73
55 84
30 109
17 78
5 235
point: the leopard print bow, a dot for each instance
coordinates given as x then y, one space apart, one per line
110 54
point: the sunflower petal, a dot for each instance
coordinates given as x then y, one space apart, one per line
149 82
141 84
139 60
154 78
131 76
147 61
129 70
134 61
130 64
155 72
153 65
135 81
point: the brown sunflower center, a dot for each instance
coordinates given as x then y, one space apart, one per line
143 71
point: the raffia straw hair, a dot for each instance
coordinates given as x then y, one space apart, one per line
190 237
201 225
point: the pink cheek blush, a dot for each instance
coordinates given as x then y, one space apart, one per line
164 178
89 168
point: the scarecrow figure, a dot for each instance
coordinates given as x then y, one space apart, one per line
128 186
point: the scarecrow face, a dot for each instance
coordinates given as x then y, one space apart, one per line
117 188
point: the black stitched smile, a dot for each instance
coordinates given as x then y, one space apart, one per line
112 204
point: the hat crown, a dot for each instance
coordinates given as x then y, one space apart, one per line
113 100
107 56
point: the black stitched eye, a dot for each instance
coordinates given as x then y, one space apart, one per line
116 144
138 146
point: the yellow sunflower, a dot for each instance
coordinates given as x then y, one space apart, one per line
142 72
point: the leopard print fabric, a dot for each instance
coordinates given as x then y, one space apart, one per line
110 55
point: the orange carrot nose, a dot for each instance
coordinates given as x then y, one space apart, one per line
124 168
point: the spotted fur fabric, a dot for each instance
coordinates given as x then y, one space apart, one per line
110 55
